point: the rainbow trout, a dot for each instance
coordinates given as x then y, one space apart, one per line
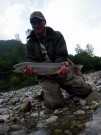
47 68
40 68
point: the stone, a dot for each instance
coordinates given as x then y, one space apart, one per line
40 132
2 120
4 117
21 132
2 131
79 112
52 119
27 107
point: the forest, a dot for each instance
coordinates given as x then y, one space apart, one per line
13 52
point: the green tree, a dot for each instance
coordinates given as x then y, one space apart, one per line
78 49
90 50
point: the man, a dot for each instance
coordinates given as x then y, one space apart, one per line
46 45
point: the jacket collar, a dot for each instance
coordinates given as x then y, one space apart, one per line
50 33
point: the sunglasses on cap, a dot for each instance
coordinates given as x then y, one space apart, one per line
35 20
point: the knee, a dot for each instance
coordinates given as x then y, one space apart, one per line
86 91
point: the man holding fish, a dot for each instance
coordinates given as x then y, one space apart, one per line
45 45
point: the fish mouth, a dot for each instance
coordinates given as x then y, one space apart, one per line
17 69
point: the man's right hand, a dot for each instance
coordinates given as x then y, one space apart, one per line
29 71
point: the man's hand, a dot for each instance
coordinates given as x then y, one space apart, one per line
64 69
29 71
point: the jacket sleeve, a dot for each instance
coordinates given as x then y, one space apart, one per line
61 52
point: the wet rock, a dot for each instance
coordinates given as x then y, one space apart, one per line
4 117
2 131
87 124
15 127
40 132
2 120
94 96
3 110
34 114
14 100
13 119
27 107
58 131
56 111
52 119
82 102
1 101
68 132
86 107
41 113
21 132
94 105
79 112
46 110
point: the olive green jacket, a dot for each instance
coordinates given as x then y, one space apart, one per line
54 43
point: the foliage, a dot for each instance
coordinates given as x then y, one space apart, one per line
78 49
11 52
86 57
19 81
14 81
89 49
3 85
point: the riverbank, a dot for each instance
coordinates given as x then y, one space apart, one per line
78 117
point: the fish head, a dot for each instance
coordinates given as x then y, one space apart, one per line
19 68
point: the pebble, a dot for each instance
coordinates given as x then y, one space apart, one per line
51 119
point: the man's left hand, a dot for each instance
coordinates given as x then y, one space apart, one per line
63 70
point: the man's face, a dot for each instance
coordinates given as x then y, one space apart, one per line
38 25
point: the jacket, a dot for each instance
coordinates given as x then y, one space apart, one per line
54 44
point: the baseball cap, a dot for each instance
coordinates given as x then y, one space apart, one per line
37 14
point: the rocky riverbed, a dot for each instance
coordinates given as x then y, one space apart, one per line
78 117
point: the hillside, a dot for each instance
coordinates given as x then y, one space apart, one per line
7 46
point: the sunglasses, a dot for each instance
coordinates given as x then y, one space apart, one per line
36 20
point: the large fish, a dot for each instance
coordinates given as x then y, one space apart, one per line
47 68
40 68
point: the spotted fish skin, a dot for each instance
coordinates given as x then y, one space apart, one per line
40 68
47 68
